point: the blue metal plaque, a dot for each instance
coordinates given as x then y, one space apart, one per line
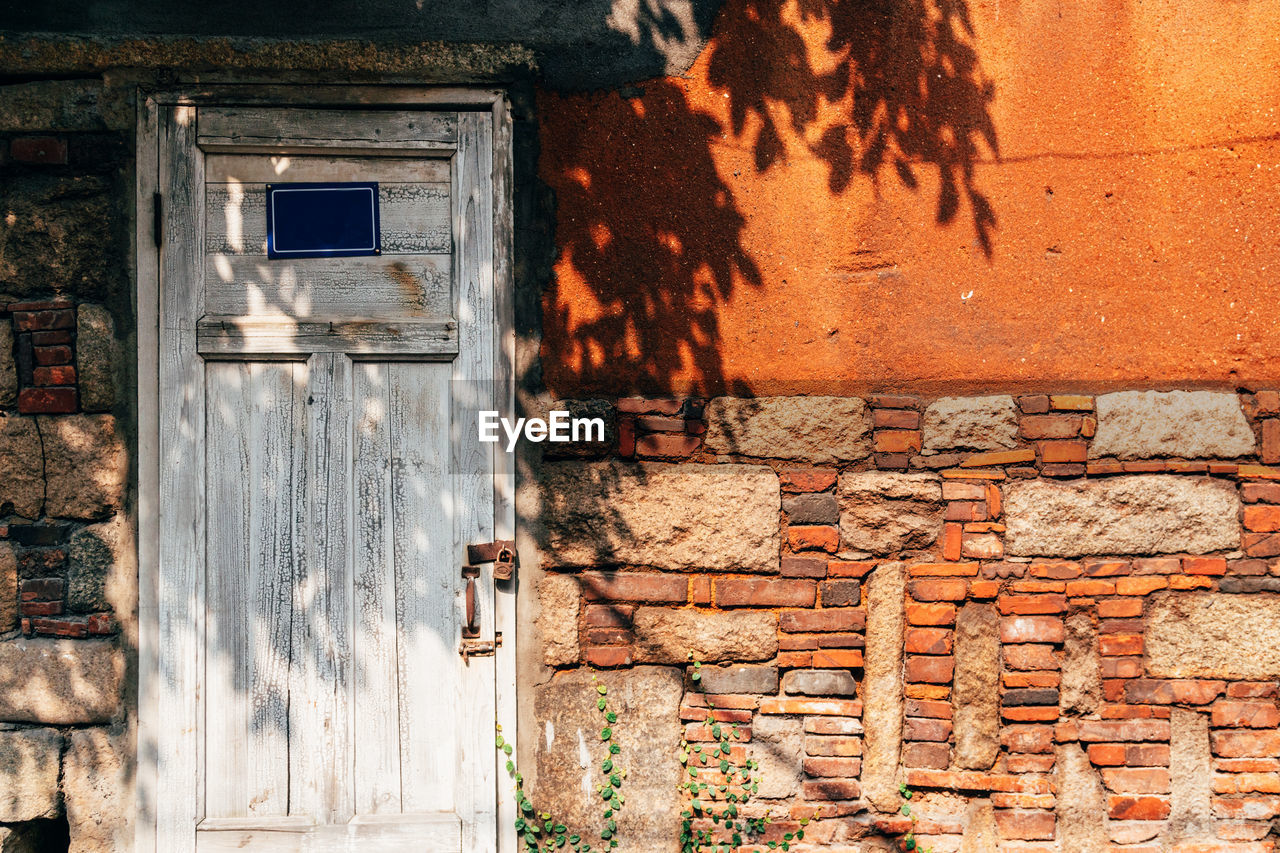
322 220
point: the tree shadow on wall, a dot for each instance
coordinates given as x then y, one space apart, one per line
649 220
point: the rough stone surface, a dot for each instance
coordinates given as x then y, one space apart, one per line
980 835
96 360
1194 424
1213 635
812 509
778 744
818 430
59 682
8 371
568 752
559 598
95 780
8 588
820 682
94 554
882 512
739 678
1191 771
29 762
85 465
970 423
1082 805
1081 667
1122 515
51 105
976 688
582 449
21 469
683 517
669 636
882 685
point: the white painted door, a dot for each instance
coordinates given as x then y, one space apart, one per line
319 481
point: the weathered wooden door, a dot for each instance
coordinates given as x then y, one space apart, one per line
320 478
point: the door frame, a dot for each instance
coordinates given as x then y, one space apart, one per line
147 308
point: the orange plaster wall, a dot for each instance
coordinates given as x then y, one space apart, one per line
1070 194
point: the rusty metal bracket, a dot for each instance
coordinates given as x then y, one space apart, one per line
502 553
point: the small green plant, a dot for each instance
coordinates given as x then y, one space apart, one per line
908 841
541 832
717 787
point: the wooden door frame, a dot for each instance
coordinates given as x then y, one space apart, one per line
148 311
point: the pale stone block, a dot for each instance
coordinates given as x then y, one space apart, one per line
665 635
1190 424
970 423
817 430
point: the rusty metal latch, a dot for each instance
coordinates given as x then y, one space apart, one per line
502 553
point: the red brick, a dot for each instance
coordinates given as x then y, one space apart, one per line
635 586
1253 690
667 445
1097 731
47 401
984 589
720 715
1026 656
838 658
60 627
1039 427
1032 604
1261 493
952 540
966 511
959 570
1234 713
660 423
102 624
1271 441
654 406
40 150
962 780
930 669
841 569
828 707
1140 585
1090 587
928 729
827 619
832 789
1034 404
995 503
932 756
40 608
1137 808
831 766
1121 667
841 641
938 589
609 636
765 592
1108 568
804 567
895 419
1171 692
609 655
813 537
1031 629
931 614
892 401
1025 825
1261 518
1116 608
1107 754
807 479
702 733
1120 644
1030 713
896 441
61 375
1255 544
1037 586
929 708
1056 452
1137 780
626 437
928 641
1055 571
700 591
44 339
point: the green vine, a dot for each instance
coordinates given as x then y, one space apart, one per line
540 832
908 841
730 786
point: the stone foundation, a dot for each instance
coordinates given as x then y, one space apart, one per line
1052 617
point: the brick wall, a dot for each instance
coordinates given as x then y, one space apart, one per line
1050 616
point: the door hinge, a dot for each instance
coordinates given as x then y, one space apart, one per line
157 219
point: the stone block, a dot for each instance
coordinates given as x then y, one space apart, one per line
976 688
559 601
51 106
95 558
971 423
21 468
96 358
678 517
820 682
812 509
663 635
8 370
1190 424
882 512
96 781
1081 804
568 752
882 689
1213 635
777 743
29 763
1154 514
8 588
86 466
818 430
739 678
60 682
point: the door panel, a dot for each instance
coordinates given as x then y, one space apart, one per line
311 593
